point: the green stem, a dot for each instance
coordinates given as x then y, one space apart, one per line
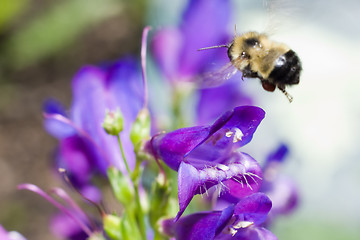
140 217
123 155
139 212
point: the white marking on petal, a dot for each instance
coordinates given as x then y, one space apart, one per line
238 135
229 134
222 167
232 231
242 224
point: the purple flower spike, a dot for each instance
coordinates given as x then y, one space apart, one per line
241 221
204 24
82 138
205 156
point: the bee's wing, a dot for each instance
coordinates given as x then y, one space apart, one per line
279 12
216 77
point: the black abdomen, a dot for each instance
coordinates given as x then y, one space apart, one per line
287 69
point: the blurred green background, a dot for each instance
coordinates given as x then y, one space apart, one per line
43 43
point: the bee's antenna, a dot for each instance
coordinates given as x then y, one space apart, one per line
289 97
218 46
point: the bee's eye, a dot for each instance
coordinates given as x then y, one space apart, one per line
244 55
252 42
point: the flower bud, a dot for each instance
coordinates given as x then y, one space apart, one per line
159 201
113 122
96 236
121 186
112 226
140 130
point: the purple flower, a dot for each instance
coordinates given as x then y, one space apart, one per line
204 23
65 227
205 156
85 148
241 221
281 189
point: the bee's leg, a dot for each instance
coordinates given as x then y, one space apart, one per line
289 97
248 73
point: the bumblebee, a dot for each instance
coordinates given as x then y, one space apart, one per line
256 56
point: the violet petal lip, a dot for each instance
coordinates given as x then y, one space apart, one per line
186 143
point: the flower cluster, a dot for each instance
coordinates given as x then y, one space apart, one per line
107 134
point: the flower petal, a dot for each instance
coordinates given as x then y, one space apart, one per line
208 144
192 181
254 233
124 83
249 233
95 91
284 195
90 101
203 225
166 45
253 208
172 147
278 155
64 227
232 130
53 126
77 157
188 183
204 24
250 181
